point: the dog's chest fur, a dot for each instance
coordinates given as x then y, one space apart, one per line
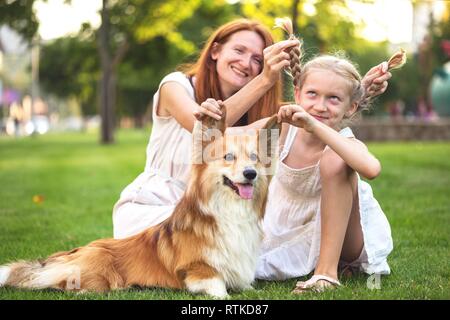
236 242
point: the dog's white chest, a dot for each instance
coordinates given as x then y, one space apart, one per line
237 244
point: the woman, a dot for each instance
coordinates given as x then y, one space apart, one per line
239 65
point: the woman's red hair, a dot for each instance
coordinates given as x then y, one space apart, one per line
205 72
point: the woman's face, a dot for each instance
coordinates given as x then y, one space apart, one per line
238 61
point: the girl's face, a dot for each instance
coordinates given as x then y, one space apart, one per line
326 96
238 61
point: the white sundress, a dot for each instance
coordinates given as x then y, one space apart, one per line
153 195
291 225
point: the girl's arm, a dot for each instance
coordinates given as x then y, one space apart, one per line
352 151
176 102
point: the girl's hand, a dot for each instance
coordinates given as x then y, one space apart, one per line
209 108
297 116
375 82
276 58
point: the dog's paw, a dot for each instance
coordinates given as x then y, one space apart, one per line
213 287
219 296
5 272
218 293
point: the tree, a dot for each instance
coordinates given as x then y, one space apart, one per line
133 20
19 15
69 69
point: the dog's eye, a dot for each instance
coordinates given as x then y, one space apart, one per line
253 157
229 157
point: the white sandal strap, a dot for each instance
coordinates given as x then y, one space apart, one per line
318 277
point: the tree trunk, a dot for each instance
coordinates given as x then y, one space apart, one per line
107 86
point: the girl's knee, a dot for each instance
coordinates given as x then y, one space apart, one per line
333 167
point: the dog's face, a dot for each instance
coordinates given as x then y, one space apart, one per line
236 167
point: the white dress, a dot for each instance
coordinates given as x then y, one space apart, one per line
153 195
291 225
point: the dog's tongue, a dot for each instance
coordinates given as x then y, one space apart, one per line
245 190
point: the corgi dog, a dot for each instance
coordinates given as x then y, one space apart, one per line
208 245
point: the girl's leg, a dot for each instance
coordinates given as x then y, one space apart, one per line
341 233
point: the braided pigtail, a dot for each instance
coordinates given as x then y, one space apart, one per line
295 53
397 60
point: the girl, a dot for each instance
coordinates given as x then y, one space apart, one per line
319 212
231 67
328 214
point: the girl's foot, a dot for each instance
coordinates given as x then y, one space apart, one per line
317 283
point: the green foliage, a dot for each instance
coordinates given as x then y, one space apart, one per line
324 27
141 72
209 15
440 32
19 15
69 68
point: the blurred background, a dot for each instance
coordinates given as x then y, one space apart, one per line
58 58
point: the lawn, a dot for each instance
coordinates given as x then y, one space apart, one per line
75 182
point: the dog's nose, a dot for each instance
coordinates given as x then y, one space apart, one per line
250 174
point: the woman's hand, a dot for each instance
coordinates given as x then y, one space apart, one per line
209 108
297 116
375 82
276 58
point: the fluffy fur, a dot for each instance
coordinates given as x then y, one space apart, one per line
208 245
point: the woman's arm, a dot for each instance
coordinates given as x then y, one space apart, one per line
212 108
176 102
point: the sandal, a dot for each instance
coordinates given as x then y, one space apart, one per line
348 271
317 283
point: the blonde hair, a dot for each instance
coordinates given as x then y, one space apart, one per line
295 53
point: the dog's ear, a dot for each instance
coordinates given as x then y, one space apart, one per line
268 139
272 127
205 132
272 123
211 123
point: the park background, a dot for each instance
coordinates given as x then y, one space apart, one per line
76 85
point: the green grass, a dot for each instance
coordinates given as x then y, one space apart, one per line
81 180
